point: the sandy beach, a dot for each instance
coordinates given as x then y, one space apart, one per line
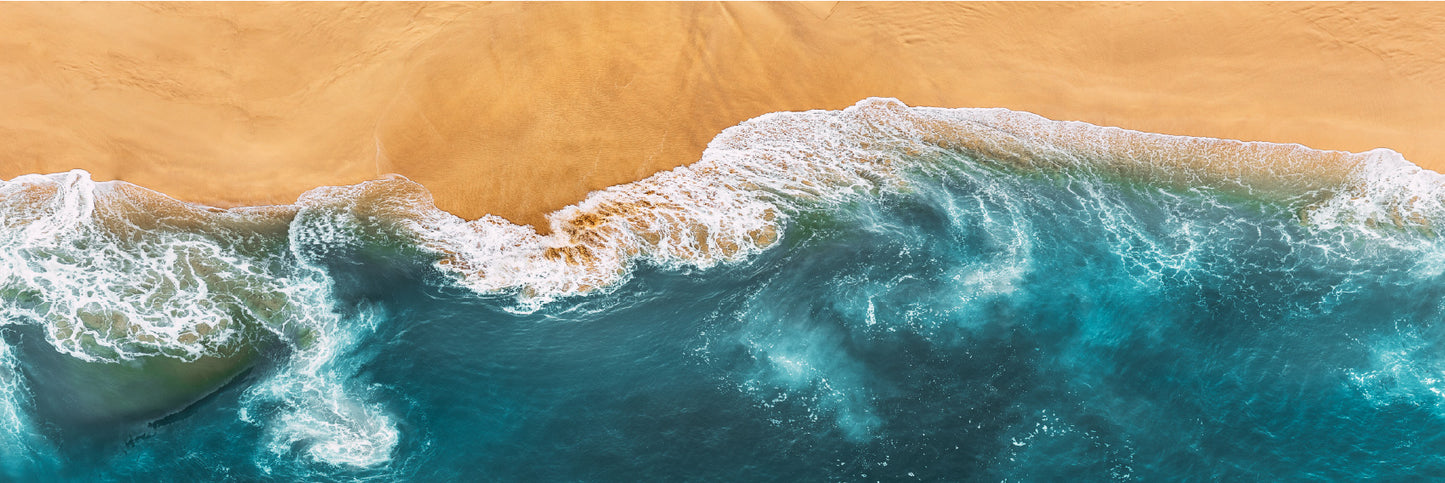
519 109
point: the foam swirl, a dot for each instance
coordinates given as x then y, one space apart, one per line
112 271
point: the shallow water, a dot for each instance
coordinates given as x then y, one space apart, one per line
962 312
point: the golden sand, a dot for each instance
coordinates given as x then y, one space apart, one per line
520 109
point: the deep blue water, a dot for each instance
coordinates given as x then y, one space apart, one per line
985 324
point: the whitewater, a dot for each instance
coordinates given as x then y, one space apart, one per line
883 293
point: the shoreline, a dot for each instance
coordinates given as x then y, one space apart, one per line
521 110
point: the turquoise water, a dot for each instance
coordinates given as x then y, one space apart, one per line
854 295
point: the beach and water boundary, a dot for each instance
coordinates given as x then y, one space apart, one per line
518 110
827 246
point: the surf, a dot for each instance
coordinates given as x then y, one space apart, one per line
112 284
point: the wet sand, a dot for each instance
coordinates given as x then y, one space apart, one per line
520 109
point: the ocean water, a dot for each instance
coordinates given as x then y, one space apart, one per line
881 293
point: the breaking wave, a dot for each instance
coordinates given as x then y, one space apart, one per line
754 176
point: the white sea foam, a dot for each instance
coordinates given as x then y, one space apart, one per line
753 177
112 272
1386 190
308 406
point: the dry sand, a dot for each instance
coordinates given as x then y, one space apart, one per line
520 109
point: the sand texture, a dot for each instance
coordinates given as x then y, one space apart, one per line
519 109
